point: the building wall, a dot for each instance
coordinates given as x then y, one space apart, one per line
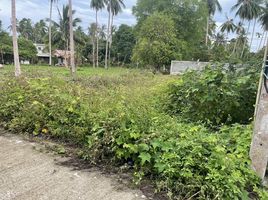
179 67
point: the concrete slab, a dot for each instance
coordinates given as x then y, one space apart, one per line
259 146
28 174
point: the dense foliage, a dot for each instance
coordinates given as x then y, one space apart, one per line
124 41
216 95
157 44
27 49
117 119
189 18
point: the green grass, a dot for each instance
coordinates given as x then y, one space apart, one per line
61 72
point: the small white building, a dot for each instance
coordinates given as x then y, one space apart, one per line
42 53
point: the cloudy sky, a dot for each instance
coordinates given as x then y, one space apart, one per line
38 9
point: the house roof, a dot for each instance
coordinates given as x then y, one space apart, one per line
62 53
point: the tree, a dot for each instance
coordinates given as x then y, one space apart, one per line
247 10
25 28
81 40
220 39
15 40
213 6
157 44
114 7
92 35
97 5
27 49
50 30
40 31
239 30
124 42
190 18
264 22
61 37
264 17
71 31
228 26
117 6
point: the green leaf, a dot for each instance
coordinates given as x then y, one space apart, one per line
145 157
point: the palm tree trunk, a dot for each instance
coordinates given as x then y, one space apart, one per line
207 30
265 38
111 39
227 36
97 39
15 39
50 34
244 45
235 46
71 39
93 51
108 36
262 37
254 26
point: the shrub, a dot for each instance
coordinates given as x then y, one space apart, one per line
214 96
124 127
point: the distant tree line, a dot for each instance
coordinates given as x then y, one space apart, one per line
166 30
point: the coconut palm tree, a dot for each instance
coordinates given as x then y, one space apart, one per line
50 30
264 21
25 28
40 31
113 7
71 32
228 26
247 10
213 6
109 7
97 5
92 33
15 39
239 31
61 36
117 6
220 39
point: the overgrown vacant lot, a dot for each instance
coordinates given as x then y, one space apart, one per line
158 126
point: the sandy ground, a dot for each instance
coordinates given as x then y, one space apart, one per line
28 174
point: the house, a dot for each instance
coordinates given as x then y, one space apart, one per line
63 57
42 53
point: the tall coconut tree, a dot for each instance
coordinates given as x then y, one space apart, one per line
228 26
113 7
71 32
97 5
109 7
213 6
240 30
60 35
15 39
50 30
117 6
263 38
256 14
92 34
263 19
247 10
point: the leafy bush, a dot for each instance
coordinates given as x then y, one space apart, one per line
124 127
215 96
